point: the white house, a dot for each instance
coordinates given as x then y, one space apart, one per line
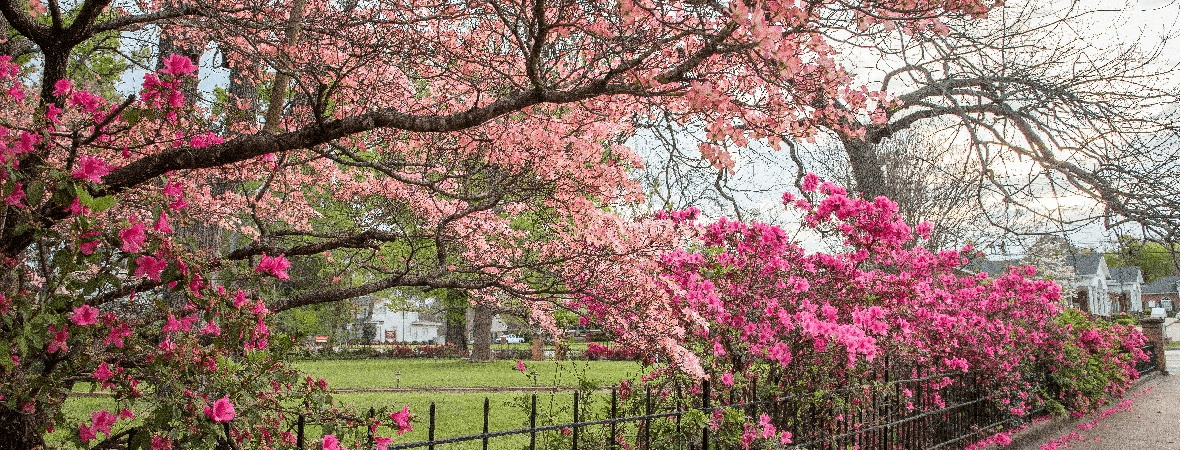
1089 284
1126 289
377 322
404 326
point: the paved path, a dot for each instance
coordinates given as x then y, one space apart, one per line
1151 422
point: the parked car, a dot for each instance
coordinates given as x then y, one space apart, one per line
511 339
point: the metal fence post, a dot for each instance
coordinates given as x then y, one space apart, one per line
647 419
533 425
299 433
614 412
576 420
372 414
430 432
487 407
705 394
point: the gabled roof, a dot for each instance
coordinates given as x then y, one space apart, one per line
1165 285
993 268
1126 274
1084 263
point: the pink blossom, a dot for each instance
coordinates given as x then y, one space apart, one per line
161 225
77 209
274 265
402 418
204 140
53 113
177 65
62 87
727 379
161 443
86 433
84 315
91 168
330 442
102 374
17 195
810 182
149 266
520 366
171 325
102 421
221 411
59 339
211 328
382 442
133 236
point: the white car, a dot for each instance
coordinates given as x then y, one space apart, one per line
511 339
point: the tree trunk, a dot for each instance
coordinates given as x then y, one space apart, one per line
455 305
20 431
481 334
538 347
866 168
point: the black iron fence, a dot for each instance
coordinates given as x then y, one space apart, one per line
1148 366
937 411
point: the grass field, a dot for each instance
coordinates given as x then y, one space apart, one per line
457 413
441 373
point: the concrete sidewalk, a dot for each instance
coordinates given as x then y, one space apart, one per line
1152 422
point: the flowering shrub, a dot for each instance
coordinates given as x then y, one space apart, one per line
1097 361
754 308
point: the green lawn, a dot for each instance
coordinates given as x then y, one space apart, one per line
433 373
457 413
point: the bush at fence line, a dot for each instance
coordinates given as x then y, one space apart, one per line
1097 362
616 352
747 303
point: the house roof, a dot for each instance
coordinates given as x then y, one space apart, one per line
1126 274
1165 285
993 268
1084 263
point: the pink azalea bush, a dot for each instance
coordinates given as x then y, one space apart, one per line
755 308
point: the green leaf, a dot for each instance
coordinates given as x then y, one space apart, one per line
35 193
103 203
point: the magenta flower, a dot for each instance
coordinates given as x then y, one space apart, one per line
162 224
177 65
150 267
91 168
402 418
62 87
161 443
102 374
59 339
382 442
274 265
84 315
102 421
86 433
221 411
133 236
330 442
520 366
17 195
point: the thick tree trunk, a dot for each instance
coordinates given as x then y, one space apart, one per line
481 334
20 431
867 170
455 305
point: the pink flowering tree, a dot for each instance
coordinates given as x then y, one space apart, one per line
146 238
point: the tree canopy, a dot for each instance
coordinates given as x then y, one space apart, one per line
146 237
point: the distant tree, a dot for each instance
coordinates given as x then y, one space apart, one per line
1154 259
